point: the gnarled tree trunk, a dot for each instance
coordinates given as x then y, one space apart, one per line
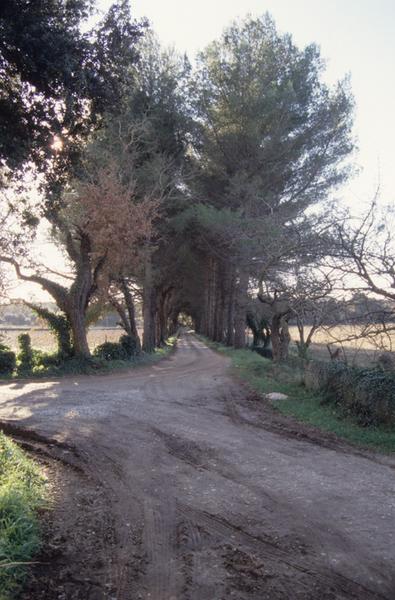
72 302
280 337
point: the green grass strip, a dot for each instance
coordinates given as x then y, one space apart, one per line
22 494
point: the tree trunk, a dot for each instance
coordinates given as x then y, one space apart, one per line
266 336
219 308
207 317
173 324
158 328
285 338
149 308
80 293
221 315
80 340
230 308
276 344
241 310
211 299
149 319
280 337
132 327
302 349
163 311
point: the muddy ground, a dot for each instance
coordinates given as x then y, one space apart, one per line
173 482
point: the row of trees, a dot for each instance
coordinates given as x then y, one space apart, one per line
192 190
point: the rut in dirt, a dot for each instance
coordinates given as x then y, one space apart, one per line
186 490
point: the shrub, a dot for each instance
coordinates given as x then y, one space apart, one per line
265 352
316 374
7 360
129 345
110 351
375 397
46 359
368 394
25 355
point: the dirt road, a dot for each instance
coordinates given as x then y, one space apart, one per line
183 489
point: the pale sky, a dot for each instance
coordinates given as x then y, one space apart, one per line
355 36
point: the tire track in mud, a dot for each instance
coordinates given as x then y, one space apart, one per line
196 455
124 559
270 551
159 540
195 521
205 536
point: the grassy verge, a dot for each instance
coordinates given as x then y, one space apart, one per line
91 366
265 377
22 494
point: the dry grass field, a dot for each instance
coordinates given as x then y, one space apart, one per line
362 352
43 339
359 352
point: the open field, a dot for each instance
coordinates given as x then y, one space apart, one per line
43 339
359 352
362 352
344 331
